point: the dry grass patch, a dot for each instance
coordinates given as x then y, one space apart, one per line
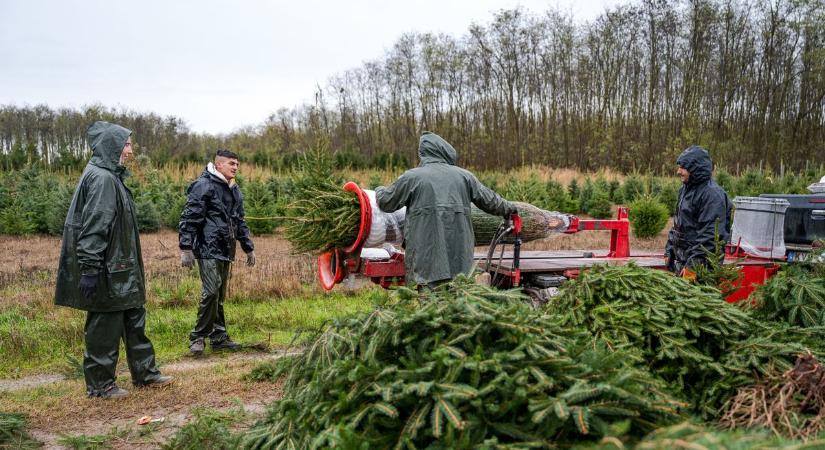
28 269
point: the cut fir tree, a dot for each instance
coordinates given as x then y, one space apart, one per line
322 216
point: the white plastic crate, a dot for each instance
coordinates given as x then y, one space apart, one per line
759 226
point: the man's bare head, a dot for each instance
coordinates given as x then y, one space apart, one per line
226 163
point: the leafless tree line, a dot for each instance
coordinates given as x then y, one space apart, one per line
628 90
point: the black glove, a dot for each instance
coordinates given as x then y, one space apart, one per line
670 260
88 286
187 258
510 211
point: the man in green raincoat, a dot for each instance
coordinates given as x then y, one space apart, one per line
101 268
438 231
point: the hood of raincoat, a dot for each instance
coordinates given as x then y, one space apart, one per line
214 171
107 141
696 161
432 148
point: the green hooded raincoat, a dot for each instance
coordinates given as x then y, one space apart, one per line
100 235
438 230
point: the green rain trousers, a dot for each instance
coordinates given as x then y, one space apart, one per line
211 322
104 331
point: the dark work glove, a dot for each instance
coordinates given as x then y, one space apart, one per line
670 260
187 258
510 211
88 286
250 259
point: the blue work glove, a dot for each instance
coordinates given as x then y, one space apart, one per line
88 286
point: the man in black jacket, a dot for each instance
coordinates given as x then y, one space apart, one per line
211 222
702 214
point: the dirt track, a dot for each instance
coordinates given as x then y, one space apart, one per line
58 406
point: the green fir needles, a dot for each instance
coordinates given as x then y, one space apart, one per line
13 432
795 295
464 366
322 216
680 327
704 347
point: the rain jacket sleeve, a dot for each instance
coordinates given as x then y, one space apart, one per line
395 196
242 233
193 216
708 224
96 224
488 201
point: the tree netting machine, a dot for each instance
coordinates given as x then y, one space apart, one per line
757 252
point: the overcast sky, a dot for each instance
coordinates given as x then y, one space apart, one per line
219 65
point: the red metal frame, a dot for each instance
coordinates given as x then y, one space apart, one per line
619 232
753 275
384 273
330 269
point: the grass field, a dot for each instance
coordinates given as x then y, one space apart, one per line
266 304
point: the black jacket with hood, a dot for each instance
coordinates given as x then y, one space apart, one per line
213 218
702 211
100 235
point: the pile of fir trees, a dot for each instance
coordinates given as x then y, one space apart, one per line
689 336
465 366
621 352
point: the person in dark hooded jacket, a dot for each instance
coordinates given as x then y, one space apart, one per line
438 231
101 267
210 224
702 213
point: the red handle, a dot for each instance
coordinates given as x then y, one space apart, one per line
516 223
330 269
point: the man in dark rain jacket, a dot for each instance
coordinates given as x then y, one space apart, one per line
101 268
211 222
702 213
438 231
